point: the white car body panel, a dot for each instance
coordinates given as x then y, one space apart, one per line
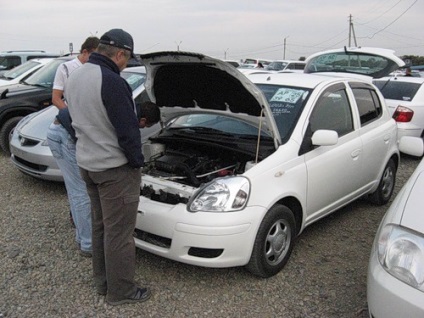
388 296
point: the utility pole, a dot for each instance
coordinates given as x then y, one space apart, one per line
284 51
178 45
225 54
351 30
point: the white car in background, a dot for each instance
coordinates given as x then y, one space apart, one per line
18 73
404 97
244 164
395 286
286 65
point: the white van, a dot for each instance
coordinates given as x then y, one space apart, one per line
10 59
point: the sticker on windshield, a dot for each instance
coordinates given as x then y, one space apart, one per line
287 95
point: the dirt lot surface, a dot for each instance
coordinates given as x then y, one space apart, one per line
42 274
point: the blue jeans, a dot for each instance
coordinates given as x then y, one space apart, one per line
63 149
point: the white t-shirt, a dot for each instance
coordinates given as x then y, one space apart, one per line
63 72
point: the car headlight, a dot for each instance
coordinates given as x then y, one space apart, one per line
221 195
401 253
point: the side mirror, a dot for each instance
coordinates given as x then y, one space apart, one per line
413 146
324 137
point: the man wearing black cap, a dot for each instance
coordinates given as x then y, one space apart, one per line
108 152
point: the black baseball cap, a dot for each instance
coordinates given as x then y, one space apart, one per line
119 38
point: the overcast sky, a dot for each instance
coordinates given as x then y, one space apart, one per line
231 29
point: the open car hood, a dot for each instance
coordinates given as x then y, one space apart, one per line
368 61
182 82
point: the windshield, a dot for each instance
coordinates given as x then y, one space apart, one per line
216 124
286 104
351 62
134 79
45 76
21 69
393 89
276 66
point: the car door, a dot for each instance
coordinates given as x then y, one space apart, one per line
377 133
333 172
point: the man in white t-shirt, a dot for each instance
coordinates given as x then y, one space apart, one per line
61 140
63 71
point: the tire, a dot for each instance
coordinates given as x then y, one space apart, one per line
274 242
6 131
386 186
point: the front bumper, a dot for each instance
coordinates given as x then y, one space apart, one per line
36 161
203 238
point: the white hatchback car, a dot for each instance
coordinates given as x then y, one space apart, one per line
243 166
405 100
395 285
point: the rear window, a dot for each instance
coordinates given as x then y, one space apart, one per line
351 62
392 89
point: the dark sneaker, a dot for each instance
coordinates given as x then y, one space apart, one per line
142 294
86 253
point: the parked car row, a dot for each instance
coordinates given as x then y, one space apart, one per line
237 171
18 73
11 59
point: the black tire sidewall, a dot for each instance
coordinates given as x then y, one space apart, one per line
5 131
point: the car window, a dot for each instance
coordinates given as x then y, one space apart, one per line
286 104
134 79
332 112
299 66
21 69
402 91
368 103
9 62
45 76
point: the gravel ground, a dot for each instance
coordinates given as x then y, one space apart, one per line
42 274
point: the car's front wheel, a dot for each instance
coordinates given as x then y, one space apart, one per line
386 186
5 132
274 242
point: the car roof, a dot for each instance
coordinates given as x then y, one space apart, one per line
293 79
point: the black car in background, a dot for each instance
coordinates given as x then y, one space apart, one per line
30 95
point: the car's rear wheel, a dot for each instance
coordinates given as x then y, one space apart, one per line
274 242
386 186
5 132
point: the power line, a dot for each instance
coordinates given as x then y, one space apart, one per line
370 37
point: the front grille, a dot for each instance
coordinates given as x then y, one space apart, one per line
205 252
31 165
153 239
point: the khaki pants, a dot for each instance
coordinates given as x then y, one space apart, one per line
114 196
